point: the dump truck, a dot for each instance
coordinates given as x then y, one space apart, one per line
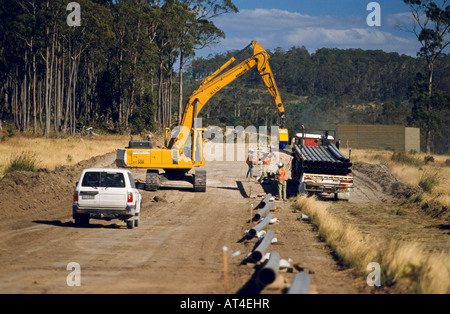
318 165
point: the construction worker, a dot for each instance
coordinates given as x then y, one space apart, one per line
282 182
250 163
266 165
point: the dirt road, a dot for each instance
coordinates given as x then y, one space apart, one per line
176 249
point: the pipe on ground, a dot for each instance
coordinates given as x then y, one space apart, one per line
254 231
300 284
265 201
269 272
262 248
263 211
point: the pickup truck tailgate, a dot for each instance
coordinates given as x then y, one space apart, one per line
102 198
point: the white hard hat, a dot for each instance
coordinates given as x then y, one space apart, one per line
280 165
251 150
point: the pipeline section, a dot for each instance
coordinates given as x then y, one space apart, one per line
254 231
322 160
265 201
263 212
269 271
262 248
300 284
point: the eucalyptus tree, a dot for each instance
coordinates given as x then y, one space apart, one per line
200 32
432 29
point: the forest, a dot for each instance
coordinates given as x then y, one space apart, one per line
130 66
114 69
331 86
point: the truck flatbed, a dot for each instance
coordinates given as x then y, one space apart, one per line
322 169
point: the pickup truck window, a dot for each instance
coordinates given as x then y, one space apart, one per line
103 179
132 183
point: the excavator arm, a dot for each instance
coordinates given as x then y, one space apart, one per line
217 81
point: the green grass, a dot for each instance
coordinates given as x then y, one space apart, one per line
25 161
428 181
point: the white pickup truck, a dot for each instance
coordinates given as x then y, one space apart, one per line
106 194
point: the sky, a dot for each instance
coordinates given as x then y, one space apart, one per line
316 24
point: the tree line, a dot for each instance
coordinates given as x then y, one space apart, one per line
115 70
131 64
332 86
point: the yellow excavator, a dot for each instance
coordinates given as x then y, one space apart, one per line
184 151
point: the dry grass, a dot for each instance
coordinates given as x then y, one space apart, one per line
426 272
412 169
51 153
354 249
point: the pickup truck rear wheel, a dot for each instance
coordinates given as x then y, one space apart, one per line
130 224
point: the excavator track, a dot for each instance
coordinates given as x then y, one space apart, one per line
151 180
200 181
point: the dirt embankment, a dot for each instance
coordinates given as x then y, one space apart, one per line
389 183
30 193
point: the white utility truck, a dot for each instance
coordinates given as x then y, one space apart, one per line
106 194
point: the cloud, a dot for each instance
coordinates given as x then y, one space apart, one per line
399 20
274 28
271 20
365 38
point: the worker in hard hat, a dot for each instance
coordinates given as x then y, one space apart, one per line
250 162
282 182
265 166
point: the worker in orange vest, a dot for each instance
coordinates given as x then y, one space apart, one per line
250 163
266 165
282 182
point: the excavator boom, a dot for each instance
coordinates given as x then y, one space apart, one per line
217 81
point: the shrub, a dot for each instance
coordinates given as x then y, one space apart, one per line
26 161
404 158
10 134
428 159
428 181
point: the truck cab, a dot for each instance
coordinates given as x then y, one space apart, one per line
314 139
